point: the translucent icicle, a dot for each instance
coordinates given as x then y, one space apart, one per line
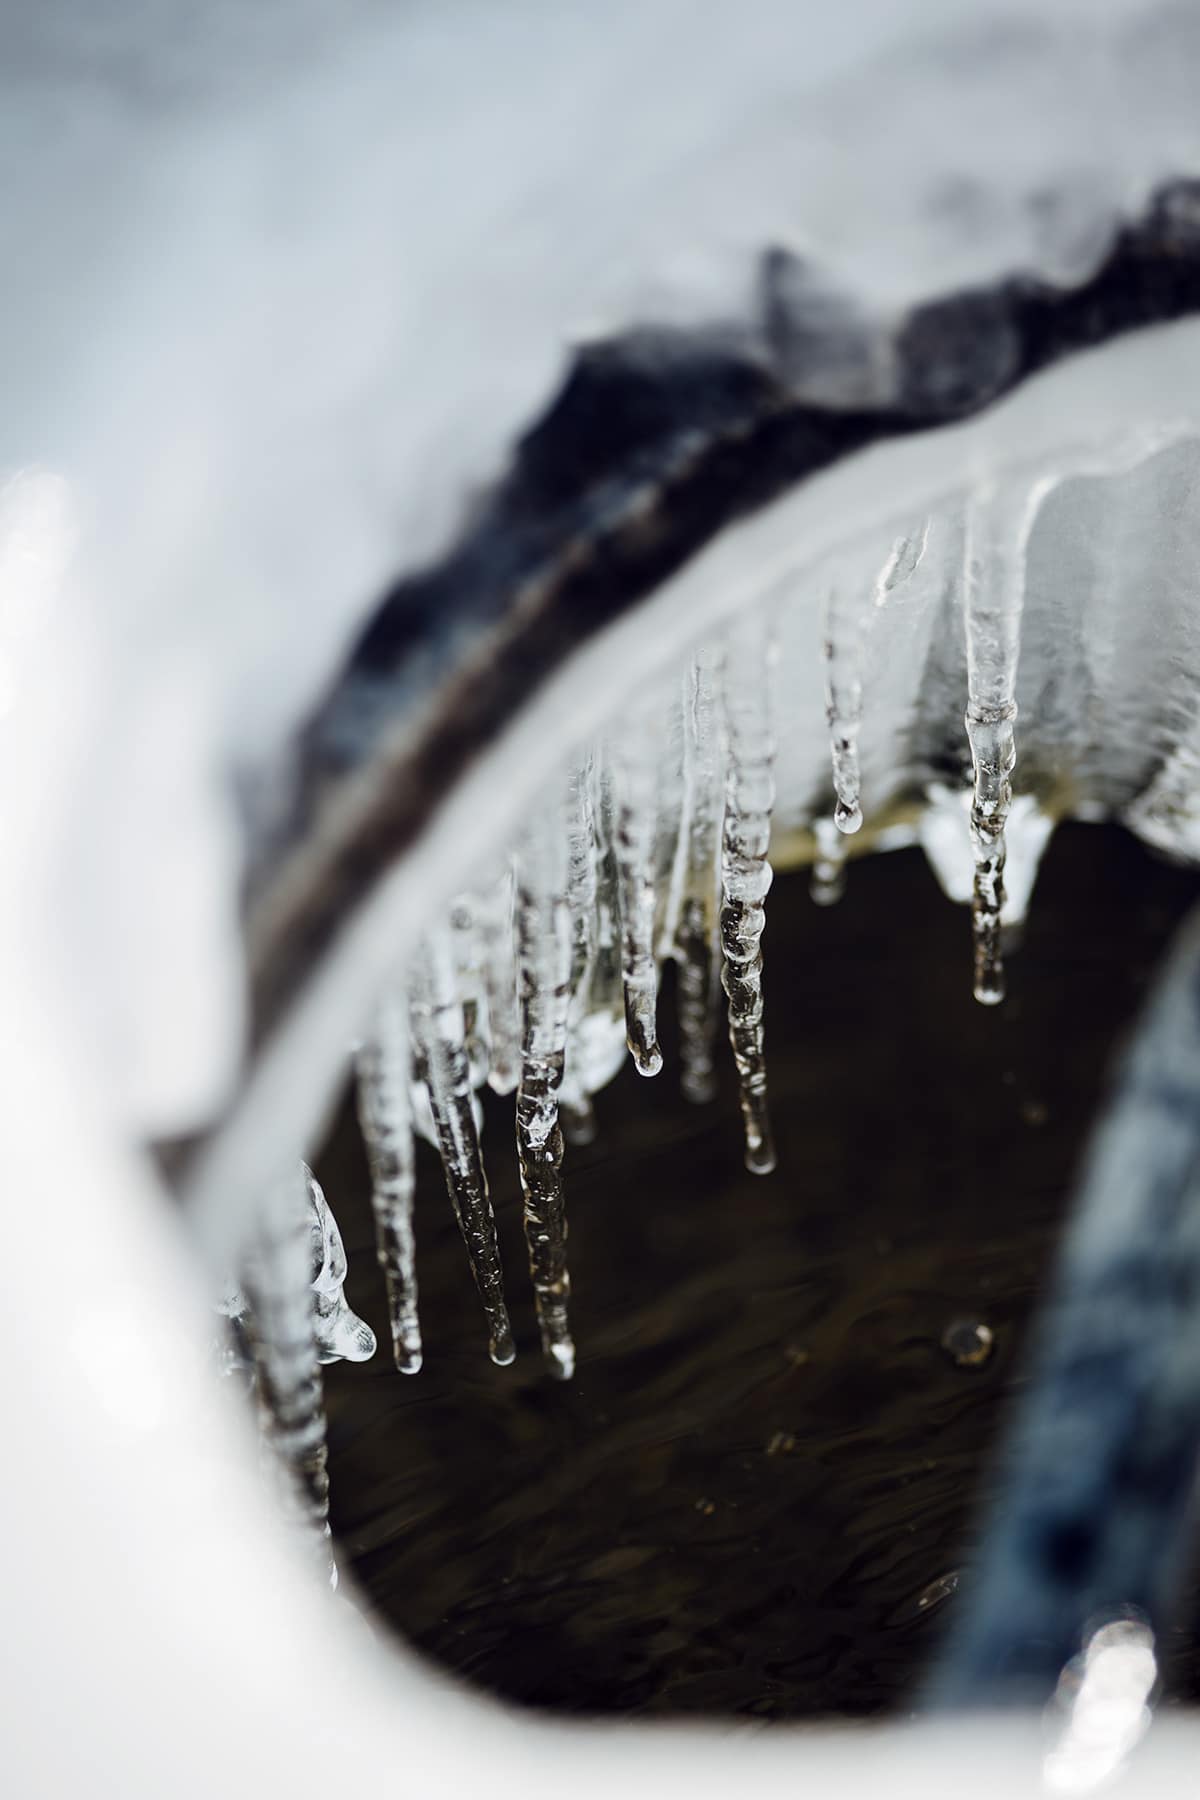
469 957
636 846
341 1335
280 1321
746 875
998 523
440 1042
494 924
697 876
850 611
828 882
544 958
582 879
668 706
575 1106
847 611
596 1042
385 1114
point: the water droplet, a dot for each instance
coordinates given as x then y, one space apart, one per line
968 1342
938 1591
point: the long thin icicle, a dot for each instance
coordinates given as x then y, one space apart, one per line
698 877
746 874
998 523
439 1038
849 614
636 851
280 1321
575 1104
494 923
544 958
467 948
385 1114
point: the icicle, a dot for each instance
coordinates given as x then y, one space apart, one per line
341 1335
575 1105
467 946
544 960
596 1046
439 1039
636 851
746 875
696 877
385 1114
847 610
494 924
999 521
828 882
849 614
280 1327
668 706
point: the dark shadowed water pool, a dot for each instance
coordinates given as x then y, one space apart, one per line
756 1497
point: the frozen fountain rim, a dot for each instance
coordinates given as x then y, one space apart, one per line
455 656
688 432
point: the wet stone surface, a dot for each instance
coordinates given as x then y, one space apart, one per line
757 1495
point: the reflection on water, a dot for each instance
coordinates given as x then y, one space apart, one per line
756 1497
1100 1710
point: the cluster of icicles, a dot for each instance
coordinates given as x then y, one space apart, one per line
654 845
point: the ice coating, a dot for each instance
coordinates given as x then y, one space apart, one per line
544 964
440 1040
746 873
384 1068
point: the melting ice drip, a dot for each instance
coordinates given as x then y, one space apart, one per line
655 845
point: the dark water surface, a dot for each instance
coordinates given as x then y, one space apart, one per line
757 1494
